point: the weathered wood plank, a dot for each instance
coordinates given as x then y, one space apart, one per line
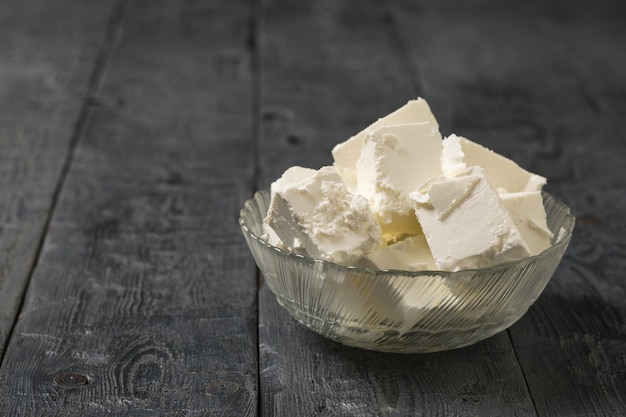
143 301
48 51
301 370
519 81
591 326
328 68
324 74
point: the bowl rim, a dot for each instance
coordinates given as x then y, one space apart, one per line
563 239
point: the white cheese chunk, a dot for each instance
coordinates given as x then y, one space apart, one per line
313 213
347 153
410 254
398 197
464 223
423 293
270 236
528 213
396 226
460 153
394 161
400 299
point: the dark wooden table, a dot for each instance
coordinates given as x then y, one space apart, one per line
131 133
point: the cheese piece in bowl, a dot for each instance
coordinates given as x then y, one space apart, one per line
505 175
346 154
312 212
408 243
400 197
464 223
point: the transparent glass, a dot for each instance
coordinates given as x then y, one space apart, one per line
401 311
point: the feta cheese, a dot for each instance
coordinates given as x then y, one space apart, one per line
410 254
399 299
527 211
394 161
270 236
424 293
398 197
346 154
460 153
465 224
313 213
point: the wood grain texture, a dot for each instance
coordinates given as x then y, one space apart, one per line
303 371
542 85
47 55
327 70
590 292
143 302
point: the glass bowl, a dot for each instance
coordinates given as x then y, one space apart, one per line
402 311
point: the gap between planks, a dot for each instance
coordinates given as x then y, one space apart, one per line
111 37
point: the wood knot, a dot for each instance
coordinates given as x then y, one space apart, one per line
71 379
222 388
588 220
293 139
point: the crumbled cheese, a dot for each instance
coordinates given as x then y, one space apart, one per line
394 161
313 213
400 197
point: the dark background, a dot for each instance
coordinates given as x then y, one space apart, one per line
132 132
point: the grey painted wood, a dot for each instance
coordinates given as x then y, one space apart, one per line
48 53
301 370
585 342
143 301
545 87
327 70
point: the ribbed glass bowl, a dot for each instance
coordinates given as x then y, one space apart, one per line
402 311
